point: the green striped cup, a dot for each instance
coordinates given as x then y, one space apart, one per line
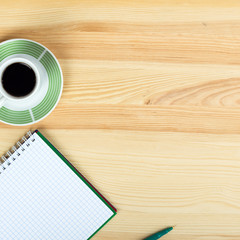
41 102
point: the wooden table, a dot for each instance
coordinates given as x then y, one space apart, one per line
150 111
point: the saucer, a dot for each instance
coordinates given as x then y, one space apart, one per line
41 104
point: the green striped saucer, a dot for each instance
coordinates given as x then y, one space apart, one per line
42 103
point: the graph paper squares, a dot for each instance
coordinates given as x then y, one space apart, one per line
42 198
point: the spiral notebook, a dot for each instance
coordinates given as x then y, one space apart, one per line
42 196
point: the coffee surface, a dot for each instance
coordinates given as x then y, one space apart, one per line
18 79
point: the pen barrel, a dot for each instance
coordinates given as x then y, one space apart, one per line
159 234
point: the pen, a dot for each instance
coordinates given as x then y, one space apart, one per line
158 235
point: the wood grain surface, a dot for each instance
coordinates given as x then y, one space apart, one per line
150 111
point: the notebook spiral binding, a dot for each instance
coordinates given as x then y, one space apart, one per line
7 158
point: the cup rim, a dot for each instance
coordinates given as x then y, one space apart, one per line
18 60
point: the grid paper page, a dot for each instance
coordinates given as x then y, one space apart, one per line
42 198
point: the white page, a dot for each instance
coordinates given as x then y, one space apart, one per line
42 198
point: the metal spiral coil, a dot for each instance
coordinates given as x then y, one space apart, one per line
8 157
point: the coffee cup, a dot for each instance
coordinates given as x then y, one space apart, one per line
31 82
19 80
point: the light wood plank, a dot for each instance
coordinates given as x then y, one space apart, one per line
157 179
150 110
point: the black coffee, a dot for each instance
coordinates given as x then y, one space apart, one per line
18 79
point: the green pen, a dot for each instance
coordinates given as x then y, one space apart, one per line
158 235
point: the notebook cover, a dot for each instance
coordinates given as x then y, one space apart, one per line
104 200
